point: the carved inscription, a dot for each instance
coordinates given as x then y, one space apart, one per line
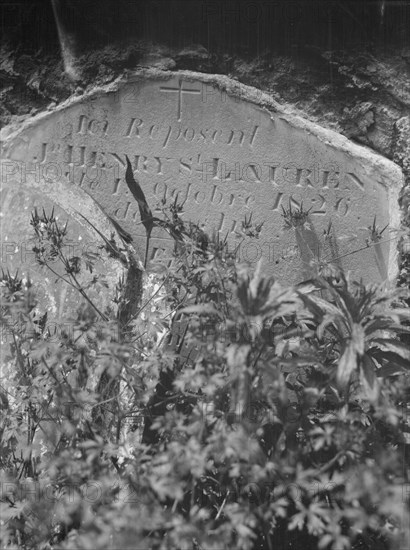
168 134
222 157
90 168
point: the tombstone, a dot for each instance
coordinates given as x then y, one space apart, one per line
20 194
227 151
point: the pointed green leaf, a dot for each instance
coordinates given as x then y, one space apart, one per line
385 358
358 338
390 369
138 194
377 324
368 378
200 309
393 346
126 237
327 320
347 364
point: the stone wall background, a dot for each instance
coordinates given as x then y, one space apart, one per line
342 64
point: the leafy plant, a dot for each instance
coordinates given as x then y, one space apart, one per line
211 408
366 323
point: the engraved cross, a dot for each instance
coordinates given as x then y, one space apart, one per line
180 90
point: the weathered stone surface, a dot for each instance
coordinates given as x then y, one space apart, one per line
227 150
20 195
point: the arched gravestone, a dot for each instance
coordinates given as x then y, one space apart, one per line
227 151
20 195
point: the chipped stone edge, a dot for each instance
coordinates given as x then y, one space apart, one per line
390 174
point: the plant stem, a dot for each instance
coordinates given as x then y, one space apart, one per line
360 249
79 289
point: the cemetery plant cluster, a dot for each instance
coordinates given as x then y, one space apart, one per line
208 408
